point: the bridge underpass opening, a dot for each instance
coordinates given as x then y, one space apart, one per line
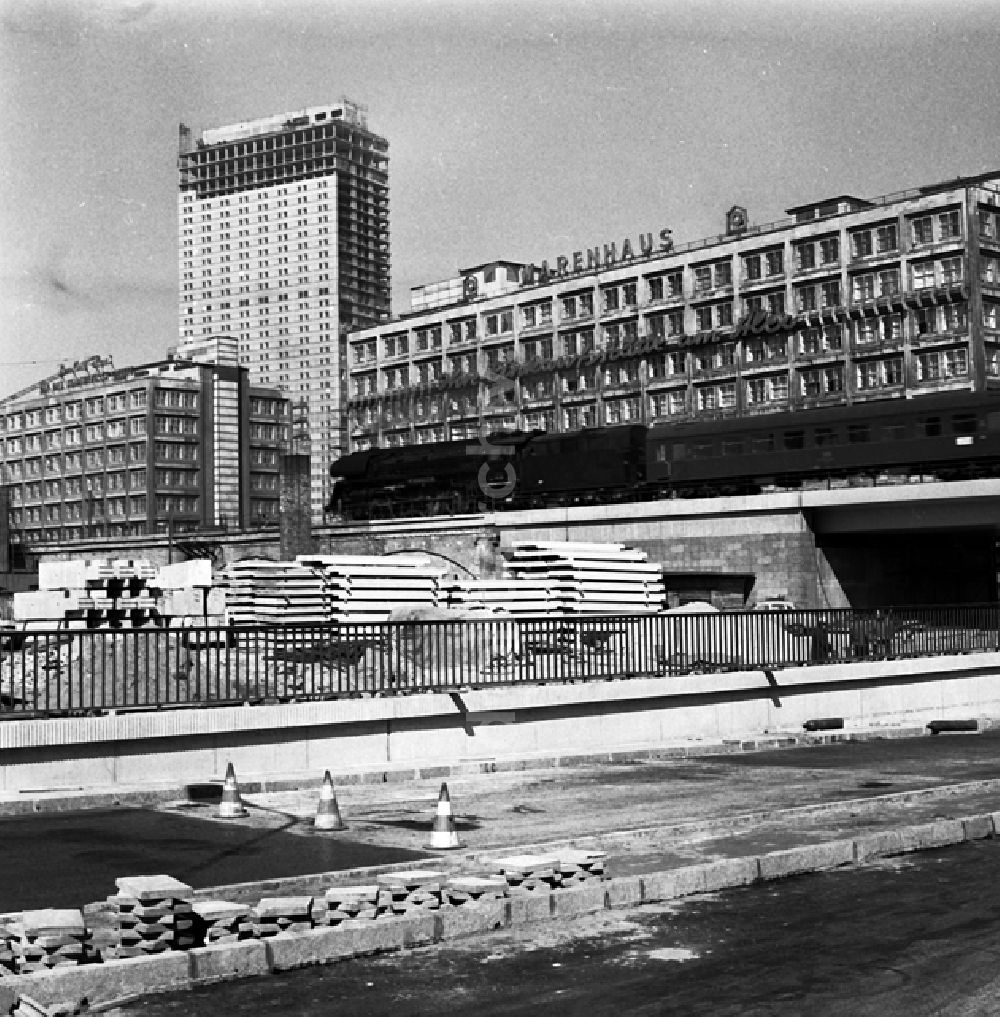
915 567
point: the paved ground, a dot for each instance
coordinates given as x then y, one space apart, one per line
648 815
911 937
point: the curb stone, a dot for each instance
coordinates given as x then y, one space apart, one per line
119 980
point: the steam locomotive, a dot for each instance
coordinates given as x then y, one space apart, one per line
944 436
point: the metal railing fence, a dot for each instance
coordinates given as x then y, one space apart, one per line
65 671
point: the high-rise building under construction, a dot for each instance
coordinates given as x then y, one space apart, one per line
283 230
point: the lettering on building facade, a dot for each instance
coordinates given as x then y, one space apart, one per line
602 256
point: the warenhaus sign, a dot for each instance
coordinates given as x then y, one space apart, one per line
601 256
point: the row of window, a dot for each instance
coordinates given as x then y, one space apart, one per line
948 319
870 374
864 286
772 390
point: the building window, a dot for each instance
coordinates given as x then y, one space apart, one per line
767 390
861 244
885 372
949 225
923 275
921 230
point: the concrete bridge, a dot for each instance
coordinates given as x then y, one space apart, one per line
859 547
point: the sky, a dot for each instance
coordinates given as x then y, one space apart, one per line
519 130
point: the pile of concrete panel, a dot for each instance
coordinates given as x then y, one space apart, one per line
580 865
115 593
221 921
259 592
530 873
402 892
151 914
474 889
368 589
50 938
515 597
591 578
346 903
272 916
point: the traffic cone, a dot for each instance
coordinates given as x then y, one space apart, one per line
443 832
328 812
231 806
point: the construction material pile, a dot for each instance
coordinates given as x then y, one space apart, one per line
591 578
221 921
260 592
474 889
530 873
115 594
275 915
151 914
515 596
50 938
368 589
402 892
346 903
580 865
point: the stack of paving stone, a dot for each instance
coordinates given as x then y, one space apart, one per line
515 597
402 892
581 865
272 916
591 578
220 921
50 938
368 589
273 593
530 873
151 914
474 889
344 903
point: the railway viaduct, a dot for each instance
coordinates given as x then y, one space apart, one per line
859 547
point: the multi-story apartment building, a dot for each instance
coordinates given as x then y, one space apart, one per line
283 229
94 451
847 300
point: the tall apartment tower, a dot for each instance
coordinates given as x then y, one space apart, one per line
283 230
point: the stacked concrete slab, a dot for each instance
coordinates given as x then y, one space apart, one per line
259 592
589 578
529 873
151 914
346 903
114 593
516 597
272 916
402 892
474 889
580 865
221 921
368 589
50 938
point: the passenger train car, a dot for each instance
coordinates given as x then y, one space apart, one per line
944 436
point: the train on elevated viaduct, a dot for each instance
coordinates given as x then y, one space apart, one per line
947 436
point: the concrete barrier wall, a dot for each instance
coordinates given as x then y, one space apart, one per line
172 748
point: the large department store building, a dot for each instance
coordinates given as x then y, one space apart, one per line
847 300
283 243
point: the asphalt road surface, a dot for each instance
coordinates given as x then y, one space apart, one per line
62 859
70 860
910 937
